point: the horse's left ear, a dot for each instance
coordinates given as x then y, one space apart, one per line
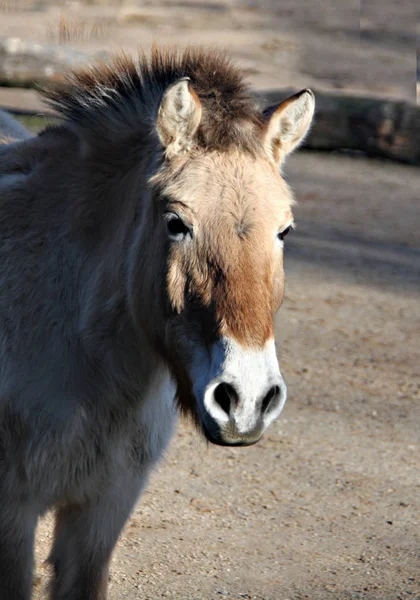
178 117
286 124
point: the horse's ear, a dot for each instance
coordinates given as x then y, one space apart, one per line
178 117
286 124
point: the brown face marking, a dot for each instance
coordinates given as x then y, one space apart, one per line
234 263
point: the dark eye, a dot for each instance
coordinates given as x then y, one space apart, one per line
283 234
177 229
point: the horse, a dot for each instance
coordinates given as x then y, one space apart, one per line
141 253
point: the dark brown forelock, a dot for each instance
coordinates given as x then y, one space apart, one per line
125 94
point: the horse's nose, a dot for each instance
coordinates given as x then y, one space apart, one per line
239 419
227 397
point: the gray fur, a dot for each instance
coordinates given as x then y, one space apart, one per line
9 127
82 414
94 355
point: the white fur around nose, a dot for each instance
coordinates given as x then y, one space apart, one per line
252 372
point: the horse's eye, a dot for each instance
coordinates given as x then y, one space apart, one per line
177 229
283 234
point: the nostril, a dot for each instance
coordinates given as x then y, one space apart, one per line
274 392
225 395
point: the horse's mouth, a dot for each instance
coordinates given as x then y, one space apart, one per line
215 436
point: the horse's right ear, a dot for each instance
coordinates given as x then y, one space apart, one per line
178 117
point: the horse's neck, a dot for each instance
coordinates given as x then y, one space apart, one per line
25 155
17 156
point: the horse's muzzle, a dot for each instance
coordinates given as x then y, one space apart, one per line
239 391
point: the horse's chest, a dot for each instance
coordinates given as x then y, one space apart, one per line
95 451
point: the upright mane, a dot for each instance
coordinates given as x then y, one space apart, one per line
122 96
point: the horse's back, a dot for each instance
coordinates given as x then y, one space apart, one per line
21 154
11 130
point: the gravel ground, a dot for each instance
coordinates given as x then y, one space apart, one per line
328 504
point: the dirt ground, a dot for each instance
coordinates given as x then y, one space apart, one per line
328 504
357 47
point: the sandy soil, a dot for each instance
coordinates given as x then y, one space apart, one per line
328 504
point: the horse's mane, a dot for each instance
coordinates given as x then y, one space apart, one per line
122 96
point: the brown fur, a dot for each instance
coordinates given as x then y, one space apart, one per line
99 299
108 98
284 131
126 94
232 266
232 277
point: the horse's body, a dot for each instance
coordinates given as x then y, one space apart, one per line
104 321
10 129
